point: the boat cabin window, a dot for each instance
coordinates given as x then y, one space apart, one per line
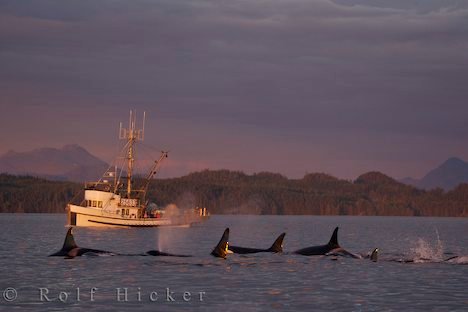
94 203
99 204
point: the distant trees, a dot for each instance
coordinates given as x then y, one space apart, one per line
30 194
233 192
373 193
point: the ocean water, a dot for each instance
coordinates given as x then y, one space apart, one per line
30 280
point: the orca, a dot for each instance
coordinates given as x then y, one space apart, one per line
222 249
332 245
457 260
157 253
373 256
450 259
70 249
276 247
333 248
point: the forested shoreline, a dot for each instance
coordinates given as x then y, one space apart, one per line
233 192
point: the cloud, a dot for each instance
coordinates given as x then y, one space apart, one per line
311 72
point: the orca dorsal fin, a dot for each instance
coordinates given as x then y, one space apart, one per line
334 239
375 255
223 246
69 242
278 244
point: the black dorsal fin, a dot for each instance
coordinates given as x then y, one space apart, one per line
278 244
334 239
222 248
375 255
69 242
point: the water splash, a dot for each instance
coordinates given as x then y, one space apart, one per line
424 251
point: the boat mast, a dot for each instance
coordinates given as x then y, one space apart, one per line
132 135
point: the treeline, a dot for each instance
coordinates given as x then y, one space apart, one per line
372 194
232 192
30 194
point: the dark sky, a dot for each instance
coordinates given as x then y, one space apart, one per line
289 86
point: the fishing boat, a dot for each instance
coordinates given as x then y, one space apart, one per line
116 200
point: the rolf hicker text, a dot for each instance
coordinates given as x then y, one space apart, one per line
120 294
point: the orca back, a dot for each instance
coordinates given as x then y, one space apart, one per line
157 253
321 249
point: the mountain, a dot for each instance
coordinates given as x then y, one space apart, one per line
71 162
446 176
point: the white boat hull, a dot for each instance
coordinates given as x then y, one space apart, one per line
89 217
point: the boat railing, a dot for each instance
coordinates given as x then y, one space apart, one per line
98 186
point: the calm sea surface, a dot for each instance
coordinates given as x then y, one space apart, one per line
241 282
